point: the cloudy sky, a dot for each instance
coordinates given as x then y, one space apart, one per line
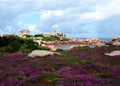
76 18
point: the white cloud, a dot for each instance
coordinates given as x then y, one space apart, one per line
71 15
32 27
49 13
102 10
92 16
110 8
55 26
58 13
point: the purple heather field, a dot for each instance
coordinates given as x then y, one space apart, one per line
75 67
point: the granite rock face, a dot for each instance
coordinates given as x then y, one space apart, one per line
114 53
41 53
116 41
92 40
99 44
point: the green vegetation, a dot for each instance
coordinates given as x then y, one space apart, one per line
50 38
38 35
105 75
65 39
59 49
73 59
83 48
51 78
16 44
29 36
43 48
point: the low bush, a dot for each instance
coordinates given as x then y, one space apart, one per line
59 49
16 44
43 48
105 75
83 48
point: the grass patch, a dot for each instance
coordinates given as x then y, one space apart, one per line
83 48
73 59
50 79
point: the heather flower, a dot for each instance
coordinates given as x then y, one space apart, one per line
27 70
62 70
10 82
15 56
65 71
115 70
35 77
82 80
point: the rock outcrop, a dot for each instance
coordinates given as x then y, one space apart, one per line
92 40
116 41
52 47
100 44
41 53
114 53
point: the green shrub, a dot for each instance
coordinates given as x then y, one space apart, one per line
51 38
38 35
4 41
43 48
65 39
59 49
16 44
83 48
7 49
24 49
29 36
105 75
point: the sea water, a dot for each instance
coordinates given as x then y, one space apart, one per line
101 39
105 39
64 47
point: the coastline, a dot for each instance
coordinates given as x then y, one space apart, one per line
91 42
75 43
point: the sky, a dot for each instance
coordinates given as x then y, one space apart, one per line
75 18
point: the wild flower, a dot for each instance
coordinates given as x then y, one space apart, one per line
34 77
73 68
27 70
15 56
10 82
